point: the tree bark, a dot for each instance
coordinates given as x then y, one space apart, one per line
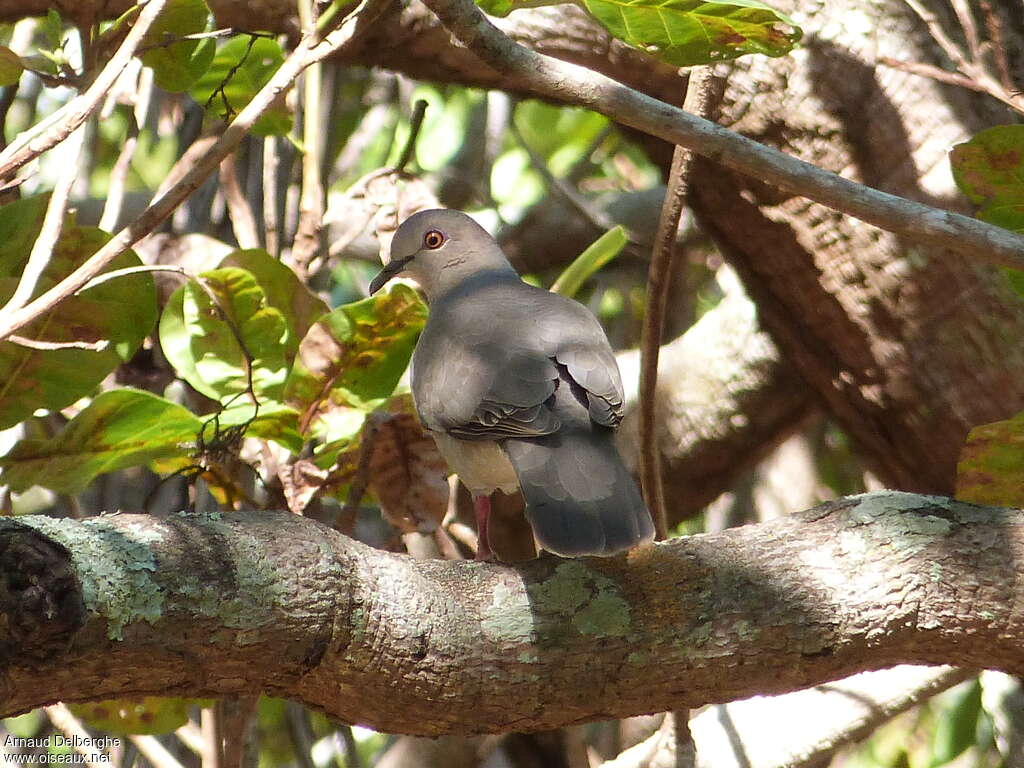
907 345
265 602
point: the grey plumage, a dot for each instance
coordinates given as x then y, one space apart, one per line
501 361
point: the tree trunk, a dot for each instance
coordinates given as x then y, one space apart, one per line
908 346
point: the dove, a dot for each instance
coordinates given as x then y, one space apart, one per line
519 388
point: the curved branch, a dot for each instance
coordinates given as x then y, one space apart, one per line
573 84
214 605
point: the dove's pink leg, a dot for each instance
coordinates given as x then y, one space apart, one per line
482 507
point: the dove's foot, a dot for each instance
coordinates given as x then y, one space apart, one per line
482 507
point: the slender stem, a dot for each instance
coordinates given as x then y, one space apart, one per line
304 54
64 720
243 221
415 123
311 196
271 220
64 121
659 278
49 233
155 752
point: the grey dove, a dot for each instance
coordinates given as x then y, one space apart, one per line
519 388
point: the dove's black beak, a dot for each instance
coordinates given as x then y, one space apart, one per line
391 269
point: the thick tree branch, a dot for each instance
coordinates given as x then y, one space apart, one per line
128 605
573 84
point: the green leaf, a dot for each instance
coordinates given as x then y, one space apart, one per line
352 358
119 428
52 28
599 253
957 729
10 66
991 467
989 169
200 341
284 292
116 315
20 222
273 422
146 715
685 32
240 68
178 65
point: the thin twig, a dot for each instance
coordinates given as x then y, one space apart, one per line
271 221
155 752
68 118
686 748
119 176
574 84
966 19
306 242
935 73
994 28
595 216
210 723
50 346
971 65
300 731
415 123
49 232
304 54
352 758
243 220
115 273
6 102
659 277
66 722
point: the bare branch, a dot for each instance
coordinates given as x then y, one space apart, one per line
307 52
65 120
697 102
49 232
573 84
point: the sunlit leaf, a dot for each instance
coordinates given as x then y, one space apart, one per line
146 715
353 357
52 28
119 428
241 67
685 32
272 421
989 169
958 728
108 322
991 467
284 291
10 66
176 66
599 253
204 342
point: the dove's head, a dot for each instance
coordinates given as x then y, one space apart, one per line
439 249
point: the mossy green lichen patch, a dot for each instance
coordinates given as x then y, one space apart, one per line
591 602
115 566
606 615
507 617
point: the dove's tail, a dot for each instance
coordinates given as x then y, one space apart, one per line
580 498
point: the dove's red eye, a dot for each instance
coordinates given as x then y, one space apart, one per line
433 239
